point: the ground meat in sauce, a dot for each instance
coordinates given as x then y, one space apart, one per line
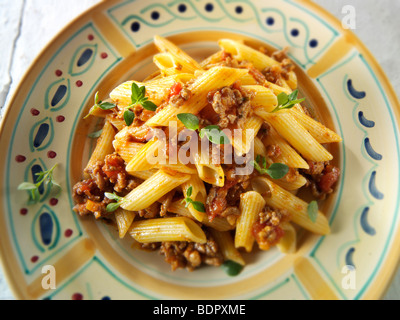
267 230
321 178
192 255
105 176
180 96
232 104
224 201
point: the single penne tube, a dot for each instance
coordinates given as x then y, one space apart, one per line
287 244
291 185
260 149
212 60
210 80
321 133
170 65
167 229
288 155
286 89
152 189
251 204
126 149
247 80
199 194
167 82
144 175
122 95
262 97
243 139
227 246
166 46
242 52
281 199
156 89
208 171
292 81
218 223
276 89
183 168
293 132
103 147
118 124
147 157
124 221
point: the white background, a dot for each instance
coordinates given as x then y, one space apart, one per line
28 25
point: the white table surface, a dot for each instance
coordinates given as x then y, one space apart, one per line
28 25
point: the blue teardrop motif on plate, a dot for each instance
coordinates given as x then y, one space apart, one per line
57 95
41 134
82 59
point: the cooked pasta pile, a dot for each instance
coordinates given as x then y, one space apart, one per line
172 173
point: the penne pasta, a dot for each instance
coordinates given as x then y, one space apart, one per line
243 139
288 156
227 246
288 242
186 61
167 229
199 194
280 198
124 221
290 129
200 160
251 204
153 189
218 223
320 133
103 146
210 80
242 52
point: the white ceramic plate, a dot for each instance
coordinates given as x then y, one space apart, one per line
113 42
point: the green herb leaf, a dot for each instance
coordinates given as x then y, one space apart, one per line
189 192
214 134
277 170
199 206
232 268
27 186
129 116
137 93
312 211
111 207
44 177
106 105
139 97
99 104
189 120
96 134
112 196
148 105
196 204
188 202
287 101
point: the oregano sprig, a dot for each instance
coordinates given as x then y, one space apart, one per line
111 207
42 178
213 132
99 104
275 170
196 204
286 101
138 97
312 210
